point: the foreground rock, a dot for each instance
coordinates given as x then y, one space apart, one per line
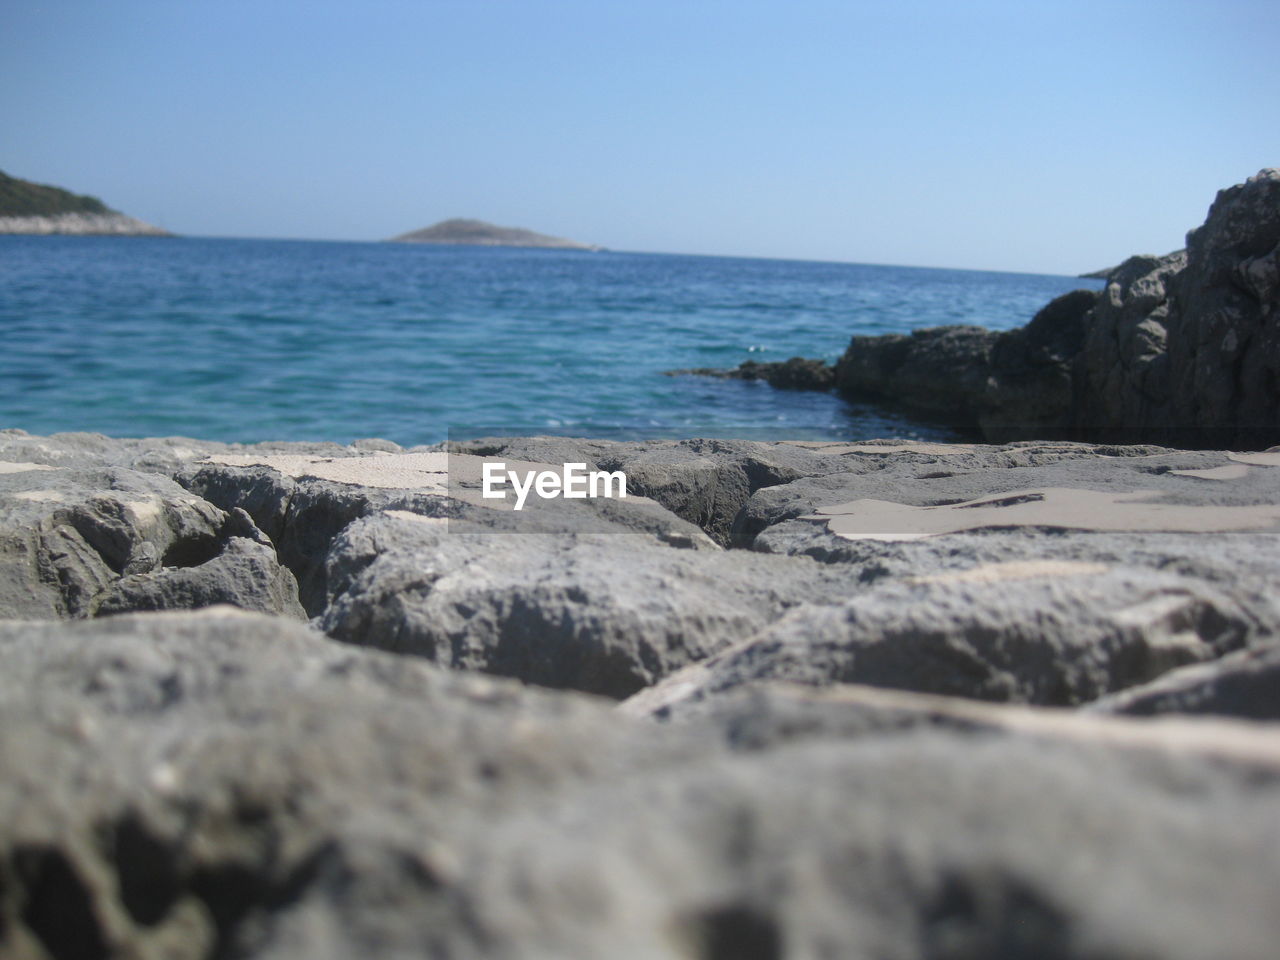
579 611
85 542
304 501
1243 684
1053 633
1051 573
225 784
705 482
221 783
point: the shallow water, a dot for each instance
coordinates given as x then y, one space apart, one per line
272 339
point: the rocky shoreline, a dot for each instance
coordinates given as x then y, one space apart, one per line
81 224
880 699
1181 350
872 699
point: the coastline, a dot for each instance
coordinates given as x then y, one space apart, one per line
1015 698
80 224
1179 350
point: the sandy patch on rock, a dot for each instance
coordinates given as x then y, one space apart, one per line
1232 471
1047 507
1266 458
456 475
395 471
7 467
40 496
1015 570
417 518
836 449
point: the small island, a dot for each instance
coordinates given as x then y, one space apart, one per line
36 208
477 233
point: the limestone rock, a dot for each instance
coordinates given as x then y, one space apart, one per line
1243 684
225 784
960 473
245 573
1181 350
82 534
605 614
940 373
705 482
303 502
1055 634
1029 388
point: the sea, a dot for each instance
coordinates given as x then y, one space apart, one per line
248 340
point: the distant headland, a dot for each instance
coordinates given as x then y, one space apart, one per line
481 234
27 207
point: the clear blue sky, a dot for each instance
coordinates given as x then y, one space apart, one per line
1033 136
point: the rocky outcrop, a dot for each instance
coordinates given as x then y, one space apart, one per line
1187 351
798 373
860 733
82 224
477 233
940 373
1182 350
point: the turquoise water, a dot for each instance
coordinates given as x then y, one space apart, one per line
291 340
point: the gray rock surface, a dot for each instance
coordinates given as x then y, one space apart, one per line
220 783
224 784
77 542
938 476
1243 684
303 506
705 482
1220 326
939 373
605 614
1057 634
245 573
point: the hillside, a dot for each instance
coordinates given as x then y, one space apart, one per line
21 198
27 207
481 234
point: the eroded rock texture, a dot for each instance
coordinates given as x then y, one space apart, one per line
880 699
224 784
1181 350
